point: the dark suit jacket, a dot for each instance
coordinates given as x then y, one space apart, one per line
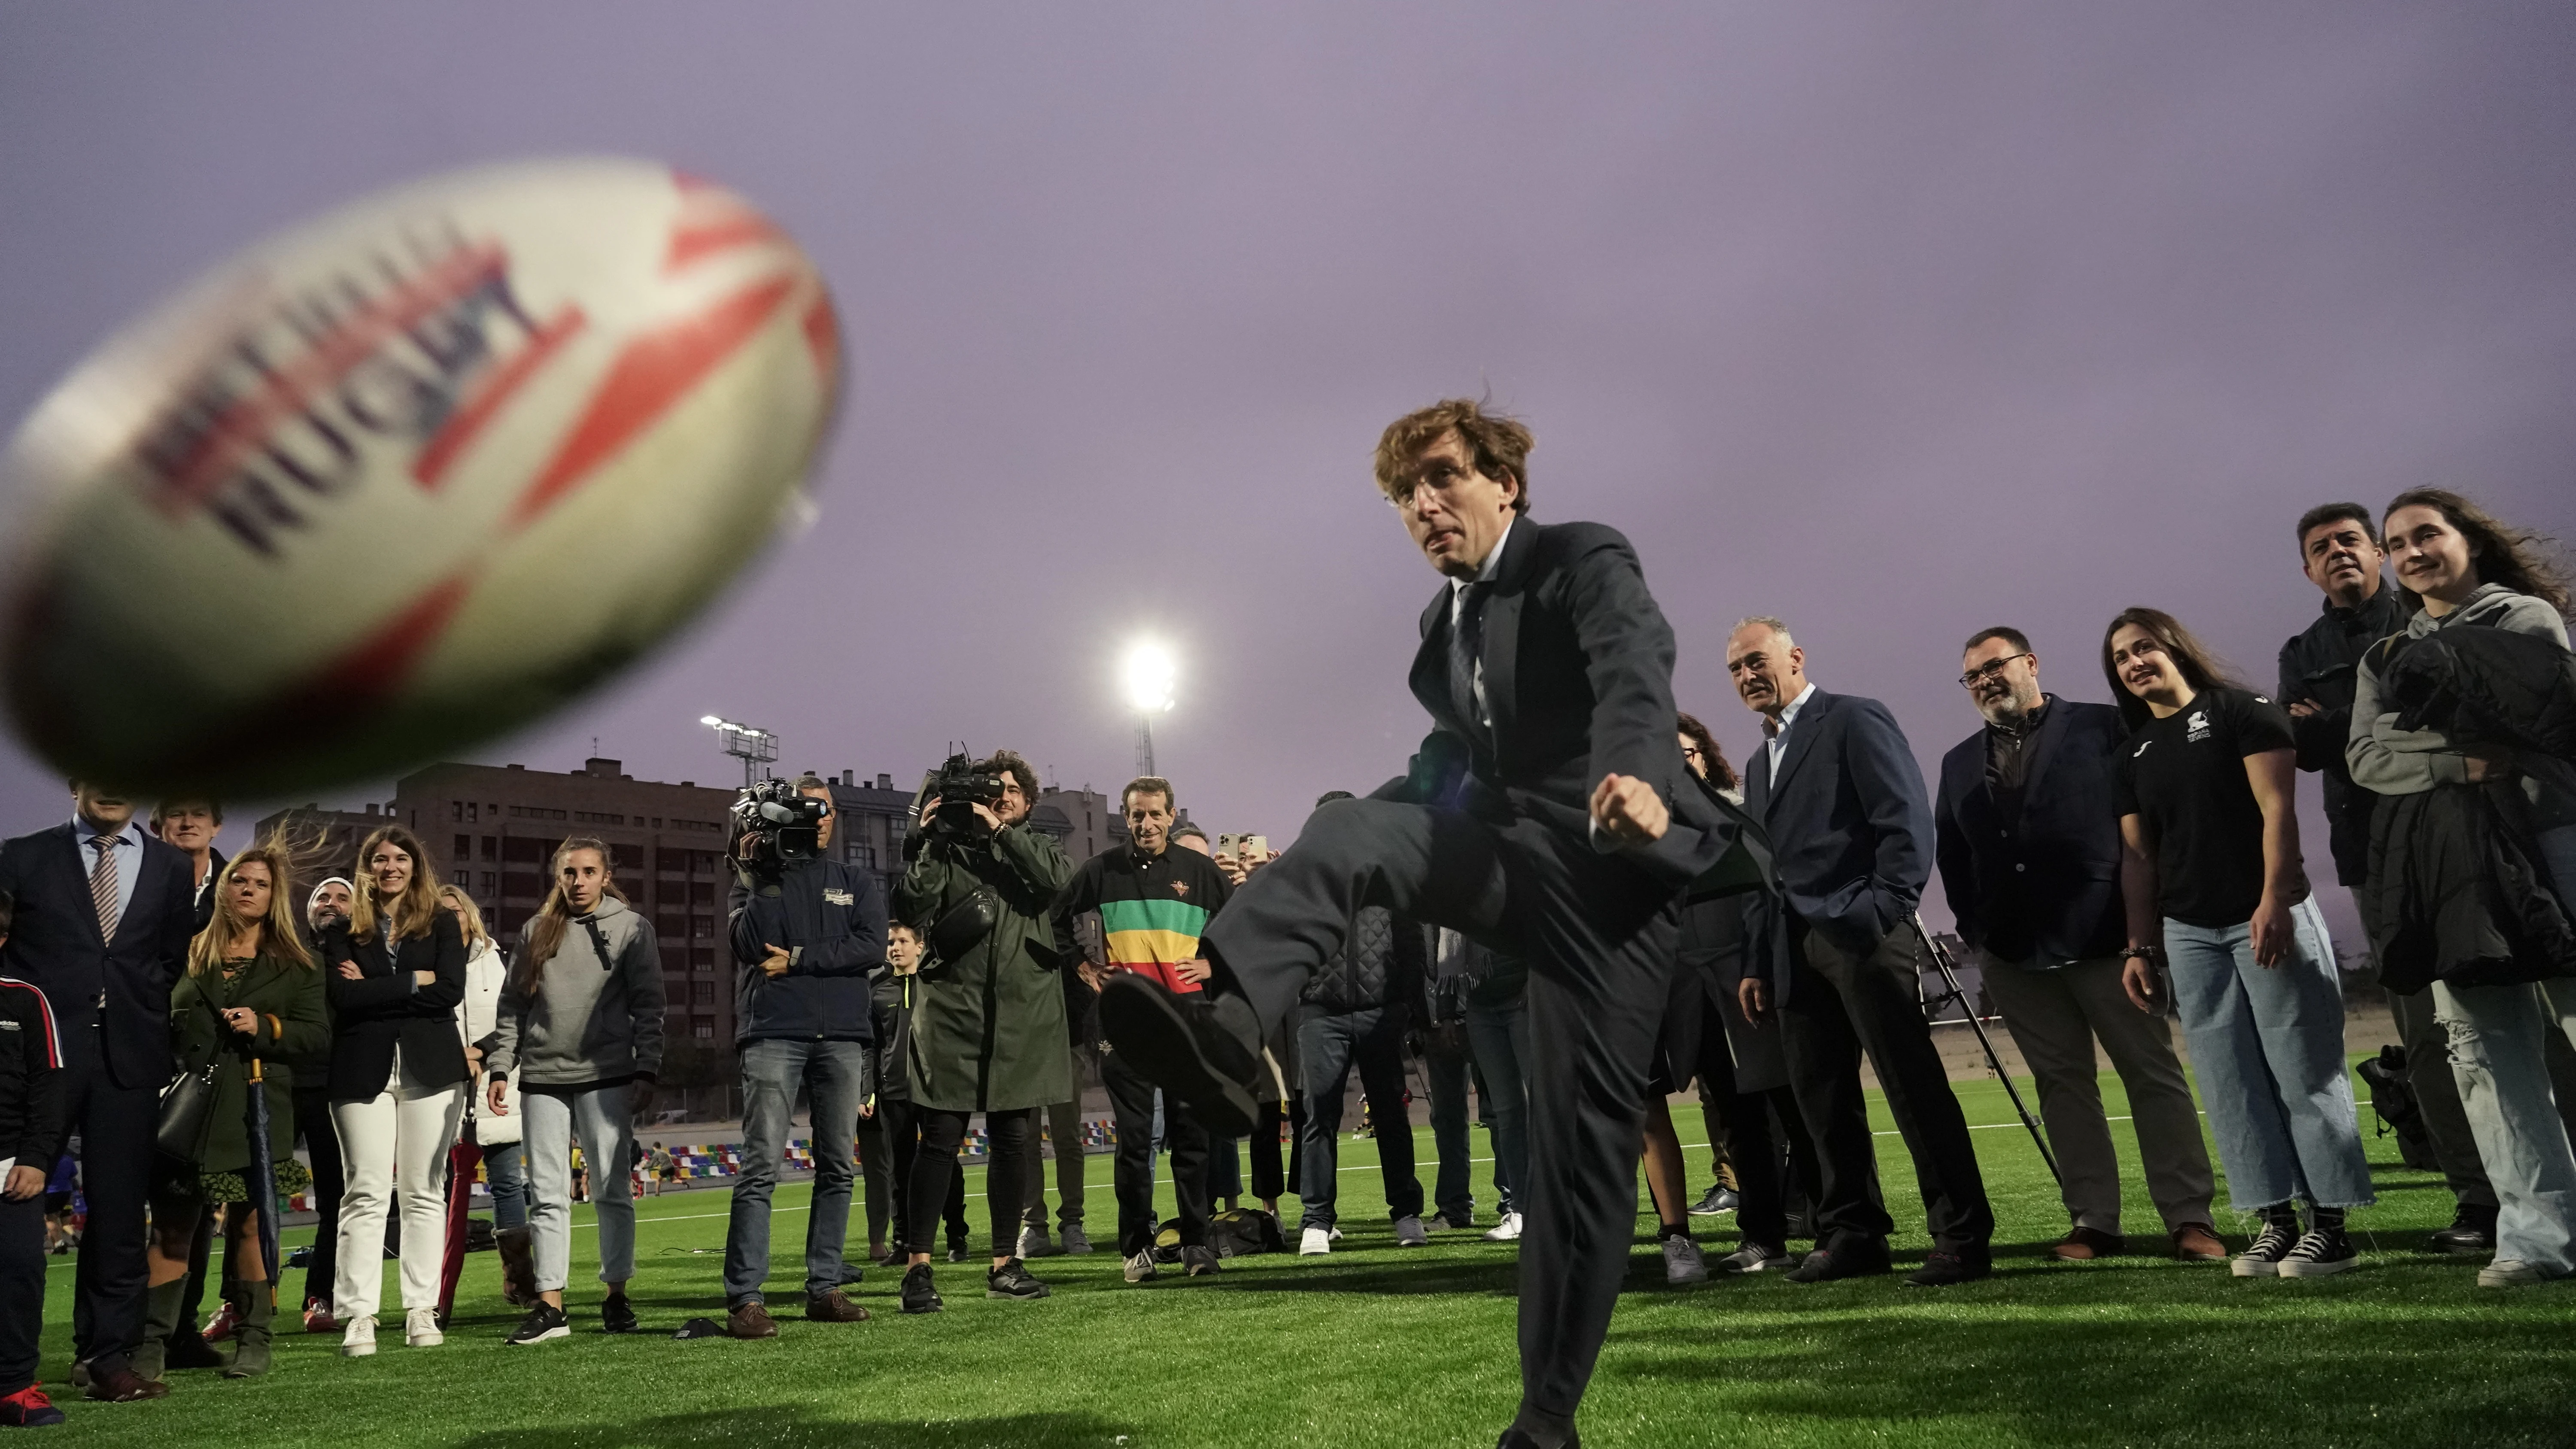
1851 831
2060 870
1578 668
384 1007
54 944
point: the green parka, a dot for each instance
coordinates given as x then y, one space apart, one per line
988 1029
292 1026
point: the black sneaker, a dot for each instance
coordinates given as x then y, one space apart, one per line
2262 1257
919 1296
1012 1280
1844 1258
1198 1261
617 1315
544 1321
1713 1202
957 1253
2322 1252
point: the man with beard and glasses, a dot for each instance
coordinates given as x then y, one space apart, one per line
2030 859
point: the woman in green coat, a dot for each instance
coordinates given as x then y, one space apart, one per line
251 1002
987 1012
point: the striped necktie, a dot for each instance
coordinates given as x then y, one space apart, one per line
102 886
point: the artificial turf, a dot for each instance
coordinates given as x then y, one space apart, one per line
1377 1345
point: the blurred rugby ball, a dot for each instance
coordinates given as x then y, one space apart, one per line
408 476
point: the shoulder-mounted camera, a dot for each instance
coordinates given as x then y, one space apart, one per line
774 822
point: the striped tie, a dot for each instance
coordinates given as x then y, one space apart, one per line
102 886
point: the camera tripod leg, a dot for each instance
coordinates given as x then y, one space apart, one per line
1958 993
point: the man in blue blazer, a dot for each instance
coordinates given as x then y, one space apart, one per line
2029 846
1548 814
1851 834
104 913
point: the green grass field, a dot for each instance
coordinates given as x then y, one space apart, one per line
1378 1346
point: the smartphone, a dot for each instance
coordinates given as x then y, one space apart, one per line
1258 846
1229 845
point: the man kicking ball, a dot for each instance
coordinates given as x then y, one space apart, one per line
1548 813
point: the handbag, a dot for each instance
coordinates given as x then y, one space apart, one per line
186 1104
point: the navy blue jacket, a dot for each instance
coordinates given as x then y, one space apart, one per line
832 919
54 945
1851 831
2053 881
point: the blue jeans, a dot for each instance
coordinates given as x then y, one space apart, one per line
2267 1047
1329 1046
505 1170
834 1075
1499 1035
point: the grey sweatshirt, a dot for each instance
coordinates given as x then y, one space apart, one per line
588 1020
2392 761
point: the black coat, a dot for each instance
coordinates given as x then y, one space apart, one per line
385 1006
2491 687
2459 890
2058 870
54 945
2321 666
1382 962
1578 668
1850 827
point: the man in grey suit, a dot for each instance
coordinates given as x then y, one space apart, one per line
1851 834
1548 814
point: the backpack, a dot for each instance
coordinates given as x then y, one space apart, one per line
1242 1232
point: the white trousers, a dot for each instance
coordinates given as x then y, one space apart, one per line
394 1141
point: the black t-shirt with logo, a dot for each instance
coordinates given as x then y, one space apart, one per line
2185 774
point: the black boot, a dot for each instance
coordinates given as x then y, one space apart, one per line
518 1266
257 1303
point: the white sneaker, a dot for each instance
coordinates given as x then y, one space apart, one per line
1506 1231
1409 1232
2514 1273
420 1328
359 1339
1682 1262
1314 1242
1141 1268
1034 1243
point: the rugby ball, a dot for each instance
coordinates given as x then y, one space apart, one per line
408 476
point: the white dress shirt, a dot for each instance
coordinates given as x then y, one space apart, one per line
1778 729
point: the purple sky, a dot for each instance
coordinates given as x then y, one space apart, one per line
1895 320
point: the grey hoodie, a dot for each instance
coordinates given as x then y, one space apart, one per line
2392 761
588 1020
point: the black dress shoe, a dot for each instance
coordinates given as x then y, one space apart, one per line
1842 1258
1944 1270
189 1350
1517 1437
1188 1048
2471 1234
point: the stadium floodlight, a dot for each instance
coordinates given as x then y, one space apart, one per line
754 747
1149 677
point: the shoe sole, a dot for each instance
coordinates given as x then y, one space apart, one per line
563 1331
2317 1270
1143 1022
1010 1297
357 1350
2253 1268
432 1341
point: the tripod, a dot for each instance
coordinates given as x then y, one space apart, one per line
1953 992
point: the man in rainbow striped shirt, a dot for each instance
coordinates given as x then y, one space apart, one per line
1153 903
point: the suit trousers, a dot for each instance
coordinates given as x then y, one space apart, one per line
2054 1015
116 1127
1600 936
1841 1005
393 1141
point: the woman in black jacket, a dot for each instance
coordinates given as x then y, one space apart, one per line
398 1081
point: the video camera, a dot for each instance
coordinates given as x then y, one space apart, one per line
779 822
959 785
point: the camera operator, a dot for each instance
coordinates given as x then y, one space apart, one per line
988 1031
807 931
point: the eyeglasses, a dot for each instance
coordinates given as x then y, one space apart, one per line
1992 669
1692 752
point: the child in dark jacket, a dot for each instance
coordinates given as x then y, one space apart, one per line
31 1135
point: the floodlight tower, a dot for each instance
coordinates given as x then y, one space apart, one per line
754 747
1147 676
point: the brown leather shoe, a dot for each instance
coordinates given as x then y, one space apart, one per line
122 1385
2198 1243
834 1307
2083 1245
750 1319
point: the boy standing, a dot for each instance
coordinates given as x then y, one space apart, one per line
31 1135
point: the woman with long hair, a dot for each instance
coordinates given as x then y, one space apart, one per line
249 1003
489 1140
2210 870
397 971
580 1022
2471 571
